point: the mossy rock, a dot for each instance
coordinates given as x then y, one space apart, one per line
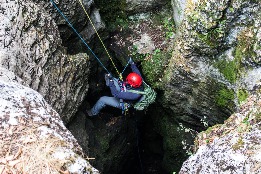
242 95
225 97
154 67
246 46
113 13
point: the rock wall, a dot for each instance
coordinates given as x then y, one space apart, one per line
211 72
31 49
178 10
33 138
232 147
206 46
214 67
139 6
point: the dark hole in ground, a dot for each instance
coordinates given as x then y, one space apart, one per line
146 157
148 152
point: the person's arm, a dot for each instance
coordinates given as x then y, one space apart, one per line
135 69
122 95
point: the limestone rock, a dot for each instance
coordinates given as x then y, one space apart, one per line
212 69
33 138
178 10
143 5
31 51
206 63
145 44
233 147
75 13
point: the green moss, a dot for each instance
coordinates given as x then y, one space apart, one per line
242 95
233 69
224 97
245 46
212 36
154 67
229 69
103 141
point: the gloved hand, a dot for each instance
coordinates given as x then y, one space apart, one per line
107 78
131 61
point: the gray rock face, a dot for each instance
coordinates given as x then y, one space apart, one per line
143 5
178 10
75 13
33 137
214 53
233 147
207 69
31 51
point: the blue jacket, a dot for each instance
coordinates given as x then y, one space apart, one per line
127 96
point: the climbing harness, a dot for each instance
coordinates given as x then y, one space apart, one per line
124 105
77 33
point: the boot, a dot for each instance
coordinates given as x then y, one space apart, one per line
88 113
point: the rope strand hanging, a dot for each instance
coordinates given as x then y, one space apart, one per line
66 19
80 2
57 8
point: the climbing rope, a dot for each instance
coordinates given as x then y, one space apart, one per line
120 74
125 67
66 19
138 145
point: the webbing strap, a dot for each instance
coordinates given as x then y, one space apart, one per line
79 36
125 67
136 92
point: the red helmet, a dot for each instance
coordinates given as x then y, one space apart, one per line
134 80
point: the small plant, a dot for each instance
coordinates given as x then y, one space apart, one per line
242 95
138 56
169 26
246 121
154 65
224 97
239 144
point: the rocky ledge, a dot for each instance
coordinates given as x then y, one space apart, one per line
232 147
33 138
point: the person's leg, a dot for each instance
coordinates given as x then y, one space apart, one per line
102 102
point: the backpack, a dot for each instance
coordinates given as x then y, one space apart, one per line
148 97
